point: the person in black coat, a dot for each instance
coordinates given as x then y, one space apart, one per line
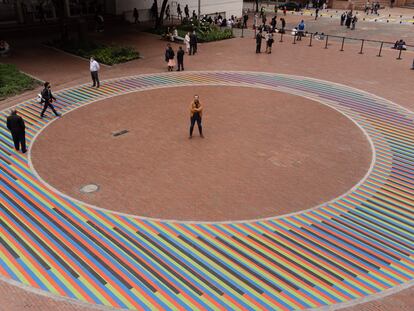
180 59
193 43
259 38
47 99
17 128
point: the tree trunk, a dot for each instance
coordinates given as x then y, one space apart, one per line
160 19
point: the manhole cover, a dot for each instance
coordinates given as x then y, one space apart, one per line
89 188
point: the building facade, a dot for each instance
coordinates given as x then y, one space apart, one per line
36 11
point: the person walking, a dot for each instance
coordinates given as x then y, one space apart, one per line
16 126
316 13
259 38
47 99
136 16
180 59
179 12
94 68
187 12
282 20
245 19
169 57
196 113
167 12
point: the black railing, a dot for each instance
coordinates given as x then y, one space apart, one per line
343 40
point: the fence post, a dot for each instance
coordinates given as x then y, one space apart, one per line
310 39
399 55
342 46
281 37
326 42
379 53
362 46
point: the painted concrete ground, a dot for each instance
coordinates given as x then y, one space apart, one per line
355 246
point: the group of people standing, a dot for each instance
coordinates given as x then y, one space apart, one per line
349 20
373 7
190 41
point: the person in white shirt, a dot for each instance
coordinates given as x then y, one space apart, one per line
187 42
94 67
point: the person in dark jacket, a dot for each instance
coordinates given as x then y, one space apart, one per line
180 59
17 129
259 38
169 57
47 99
193 43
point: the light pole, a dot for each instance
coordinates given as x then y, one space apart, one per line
199 9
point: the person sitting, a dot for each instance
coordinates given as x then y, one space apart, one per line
400 45
175 36
4 48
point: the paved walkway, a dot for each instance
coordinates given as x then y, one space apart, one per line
365 72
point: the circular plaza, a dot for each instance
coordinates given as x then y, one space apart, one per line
299 196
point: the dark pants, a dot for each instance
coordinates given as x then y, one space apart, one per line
19 139
95 79
193 48
258 47
180 63
47 104
196 118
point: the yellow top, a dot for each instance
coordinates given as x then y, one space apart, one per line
194 108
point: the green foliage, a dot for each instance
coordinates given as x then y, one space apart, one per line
108 55
205 31
13 82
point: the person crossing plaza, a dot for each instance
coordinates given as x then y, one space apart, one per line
48 99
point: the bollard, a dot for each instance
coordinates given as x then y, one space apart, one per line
326 42
310 39
362 46
379 53
294 39
281 37
342 46
242 32
399 55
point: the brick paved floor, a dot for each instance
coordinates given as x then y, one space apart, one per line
384 76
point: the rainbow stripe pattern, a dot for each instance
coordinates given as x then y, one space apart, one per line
357 245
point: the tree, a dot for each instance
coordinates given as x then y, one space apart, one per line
159 18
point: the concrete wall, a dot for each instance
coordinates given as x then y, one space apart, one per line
231 7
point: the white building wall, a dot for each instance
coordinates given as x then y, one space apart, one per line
230 7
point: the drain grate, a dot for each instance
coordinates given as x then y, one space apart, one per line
89 188
119 133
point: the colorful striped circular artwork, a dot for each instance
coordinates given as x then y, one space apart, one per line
354 247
